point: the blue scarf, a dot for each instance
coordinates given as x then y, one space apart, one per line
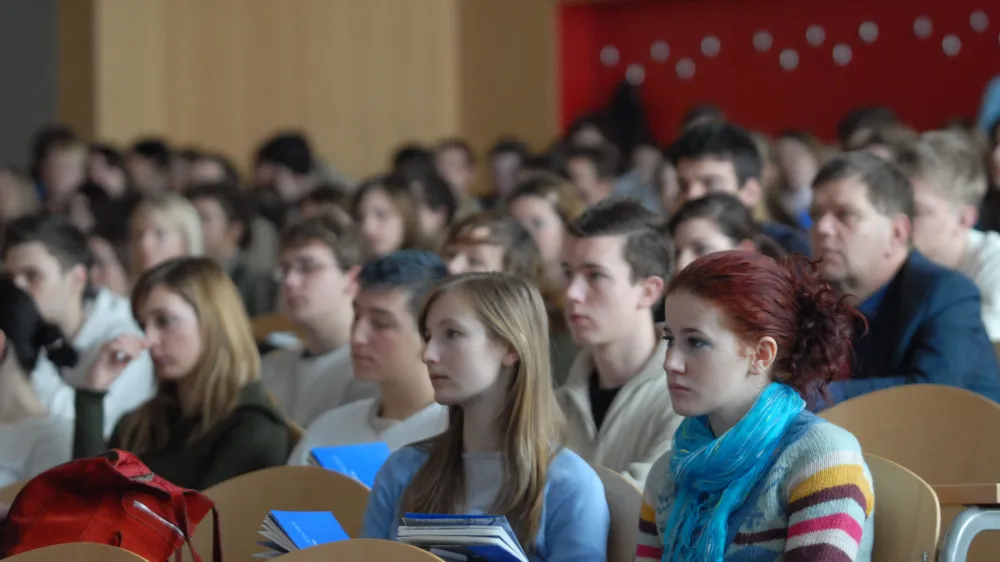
713 476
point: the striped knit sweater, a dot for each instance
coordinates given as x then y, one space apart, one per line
814 504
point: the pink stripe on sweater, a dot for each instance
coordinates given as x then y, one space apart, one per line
644 551
840 521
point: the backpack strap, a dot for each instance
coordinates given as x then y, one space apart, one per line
180 511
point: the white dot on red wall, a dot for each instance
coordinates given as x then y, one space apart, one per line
922 27
659 51
842 54
868 32
979 21
710 46
609 56
815 35
635 74
789 59
685 68
951 45
762 41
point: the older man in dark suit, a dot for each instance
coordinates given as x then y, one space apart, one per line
924 322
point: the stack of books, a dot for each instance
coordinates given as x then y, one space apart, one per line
361 462
487 538
288 531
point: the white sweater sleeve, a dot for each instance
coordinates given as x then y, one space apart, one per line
53 446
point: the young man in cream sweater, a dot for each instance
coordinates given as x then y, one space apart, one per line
49 259
949 182
386 347
319 263
617 262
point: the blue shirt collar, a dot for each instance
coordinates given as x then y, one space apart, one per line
869 307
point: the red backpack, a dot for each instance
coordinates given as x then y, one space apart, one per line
112 499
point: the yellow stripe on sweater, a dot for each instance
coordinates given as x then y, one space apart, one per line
648 512
836 476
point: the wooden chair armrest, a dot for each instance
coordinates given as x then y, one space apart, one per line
968 494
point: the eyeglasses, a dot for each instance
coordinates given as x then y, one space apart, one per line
302 268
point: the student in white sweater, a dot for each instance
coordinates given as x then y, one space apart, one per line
386 347
31 441
949 183
50 259
319 264
615 398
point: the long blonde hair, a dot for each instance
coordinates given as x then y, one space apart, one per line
530 424
229 359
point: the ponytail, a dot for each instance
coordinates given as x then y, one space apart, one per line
785 300
822 350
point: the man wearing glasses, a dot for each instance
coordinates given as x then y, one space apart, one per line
318 268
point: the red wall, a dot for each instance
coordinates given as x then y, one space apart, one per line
909 74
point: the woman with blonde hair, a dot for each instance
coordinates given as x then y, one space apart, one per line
164 226
210 419
502 454
544 205
387 214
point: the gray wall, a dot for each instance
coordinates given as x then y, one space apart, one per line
28 74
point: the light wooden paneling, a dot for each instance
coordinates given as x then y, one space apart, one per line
75 79
508 70
359 76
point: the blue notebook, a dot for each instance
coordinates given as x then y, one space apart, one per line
361 462
486 538
288 531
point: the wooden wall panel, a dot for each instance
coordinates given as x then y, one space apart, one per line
360 76
75 80
508 70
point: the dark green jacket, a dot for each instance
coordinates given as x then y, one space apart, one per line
253 437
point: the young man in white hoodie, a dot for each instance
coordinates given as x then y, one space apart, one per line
949 182
319 263
386 348
617 262
50 259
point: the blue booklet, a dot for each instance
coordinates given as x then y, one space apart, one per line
288 531
360 462
472 538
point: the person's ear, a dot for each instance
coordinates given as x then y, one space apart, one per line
968 216
510 358
234 231
652 289
902 229
351 276
749 193
764 356
78 276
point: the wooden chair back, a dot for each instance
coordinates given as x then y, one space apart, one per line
245 501
77 552
907 515
625 503
264 326
943 434
361 550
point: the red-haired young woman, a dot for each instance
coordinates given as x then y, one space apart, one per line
751 471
